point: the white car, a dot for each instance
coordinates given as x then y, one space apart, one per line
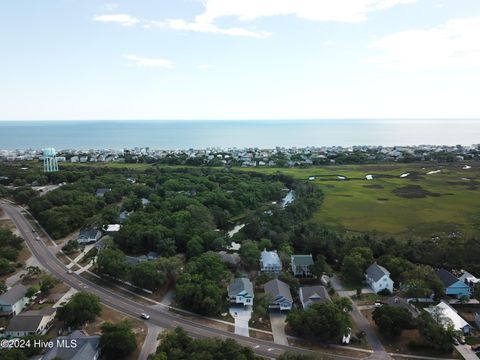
145 316
38 238
347 336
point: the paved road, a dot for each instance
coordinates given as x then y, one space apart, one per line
158 317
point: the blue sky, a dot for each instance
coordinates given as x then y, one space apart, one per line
239 59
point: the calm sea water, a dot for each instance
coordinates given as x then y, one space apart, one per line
263 134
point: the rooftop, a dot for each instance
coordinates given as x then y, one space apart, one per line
302 260
13 295
376 272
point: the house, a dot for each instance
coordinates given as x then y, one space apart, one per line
469 279
101 192
453 286
445 315
280 295
86 347
152 255
270 261
378 278
87 236
135 260
123 216
313 294
301 265
232 260
145 202
240 291
32 322
111 228
13 301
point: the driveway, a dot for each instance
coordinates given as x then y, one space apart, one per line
278 322
466 352
242 317
362 323
151 341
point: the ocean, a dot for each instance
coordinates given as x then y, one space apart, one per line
249 133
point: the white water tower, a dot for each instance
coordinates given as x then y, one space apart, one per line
50 163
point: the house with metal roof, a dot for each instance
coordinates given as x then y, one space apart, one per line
87 236
452 285
76 346
101 192
301 265
445 315
270 261
13 301
279 295
378 278
32 322
240 291
313 294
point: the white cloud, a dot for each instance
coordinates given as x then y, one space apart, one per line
180 24
122 19
245 10
453 45
315 10
328 43
205 66
150 62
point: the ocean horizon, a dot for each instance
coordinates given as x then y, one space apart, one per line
185 134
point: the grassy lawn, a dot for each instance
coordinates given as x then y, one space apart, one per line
422 204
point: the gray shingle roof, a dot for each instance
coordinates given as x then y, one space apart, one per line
302 260
88 233
13 295
87 347
238 285
446 277
376 272
29 321
314 294
278 289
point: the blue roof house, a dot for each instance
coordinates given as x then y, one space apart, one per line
453 286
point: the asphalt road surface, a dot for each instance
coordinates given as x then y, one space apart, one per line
159 317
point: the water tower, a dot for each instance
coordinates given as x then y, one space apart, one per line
50 163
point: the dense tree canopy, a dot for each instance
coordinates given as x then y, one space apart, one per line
81 308
178 345
117 340
392 320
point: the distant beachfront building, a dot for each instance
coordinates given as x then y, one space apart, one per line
50 162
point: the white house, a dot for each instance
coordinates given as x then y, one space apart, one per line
87 236
301 265
445 315
279 294
378 278
13 301
240 291
31 322
270 261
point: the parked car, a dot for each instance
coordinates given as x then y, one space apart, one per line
347 336
38 238
461 340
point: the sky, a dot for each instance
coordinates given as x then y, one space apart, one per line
239 59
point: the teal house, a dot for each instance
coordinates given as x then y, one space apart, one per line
453 286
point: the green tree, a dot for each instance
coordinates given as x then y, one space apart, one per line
46 283
81 308
118 340
321 266
195 247
3 287
250 254
326 321
112 262
146 276
32 291
392 320
435 335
